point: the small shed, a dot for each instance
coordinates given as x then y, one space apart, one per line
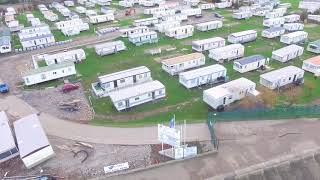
206 75
180 32
210 25
33 143
294 37
314 47
273 22
250 63
110 48
273 32
144 38
136 95
287 53
293 27
229 52
282 77
207 44
312 65
179 64
243 36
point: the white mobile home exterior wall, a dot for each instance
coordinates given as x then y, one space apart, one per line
180 32
101 18
293 26
144 38
109 48
281 77
176 17
242 15
273 32
287 53
76 55
191 11
274 14
243 36
223 5
206 6
162 27
273 22
179 64
211 74
228 52
207 44
292 18
134 30
146 22
294 37
250 63
211 25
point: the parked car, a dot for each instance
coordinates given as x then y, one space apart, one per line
69 87
217 15
4 88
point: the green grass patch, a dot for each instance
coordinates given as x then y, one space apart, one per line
22 18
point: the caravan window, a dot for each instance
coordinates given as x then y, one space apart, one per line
120 104
136 99
122 80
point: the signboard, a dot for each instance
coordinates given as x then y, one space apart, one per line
185 152
116 167
169 135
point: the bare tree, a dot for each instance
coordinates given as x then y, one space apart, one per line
303 15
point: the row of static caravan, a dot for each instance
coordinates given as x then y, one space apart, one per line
274 22
164 26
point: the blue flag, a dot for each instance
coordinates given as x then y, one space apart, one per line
172 122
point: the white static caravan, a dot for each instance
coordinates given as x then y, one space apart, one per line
191 2
122 79
243 36
48 73
179 64
274 14
135 30
281 77
314 47
139 94
292 18
49 15
146 3
91 12
176 17
8 148
206 6
312 65
315 18
144 38
211 25
207 44
80 9
229 52
169 12
146 22
73 23
273 32
223 5
250 63
287 53
207 75
180 32
294 37
5 41
274 22
32 141
293 26
151 11
220 96
162 27
41 40
126 4
69 3
101 18
284 5
76 55
242 15
191 11
110 48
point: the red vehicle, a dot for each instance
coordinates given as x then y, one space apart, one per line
69 87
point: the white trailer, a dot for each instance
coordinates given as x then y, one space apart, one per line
282 77
169 12
176 17
220 96
242 15
101 18
121 79
69 3
146 22
229 52
273 32
76 56
292 18
146 3
293 26
207 26
284 5
207 75
126 3
80 10
110 48
191 2
312 65
151 11
162 27
274 14
206 6
179 64
180 32
134 30
243 36
250 63
91 12
261 12
315 18
314 47
274 22
287 53
143 38
207 44
294 37
191 11
223 5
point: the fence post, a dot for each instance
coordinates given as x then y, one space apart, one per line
211 124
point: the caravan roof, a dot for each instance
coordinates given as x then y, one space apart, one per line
243 33
7 140
136 90
183 58
48 68
30 135
314 60
202 71
286 50
250 59
286 71
108 44
295 34
123 74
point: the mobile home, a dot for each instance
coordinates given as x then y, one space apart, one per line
110 48
294 37
250 63
144 38
32 141
39 40
5 41
243 36
69 3
169 12
191 2
242 15
206 6
146 22
101 18
314 18
274 14
207 75
284 5
151 11
122 79
136 95
179 64
287 53
126 4
293 26
106 10
292 18
312 65
191 11
282 77
162 27
229 52
220 96
273 22
76 56
273 32
207 44
48 73
80 9
207 26
180 32
176 17
8 148
91 12
49 15
314 47
222 5
134 30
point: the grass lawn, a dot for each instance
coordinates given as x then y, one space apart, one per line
22 18
16 42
